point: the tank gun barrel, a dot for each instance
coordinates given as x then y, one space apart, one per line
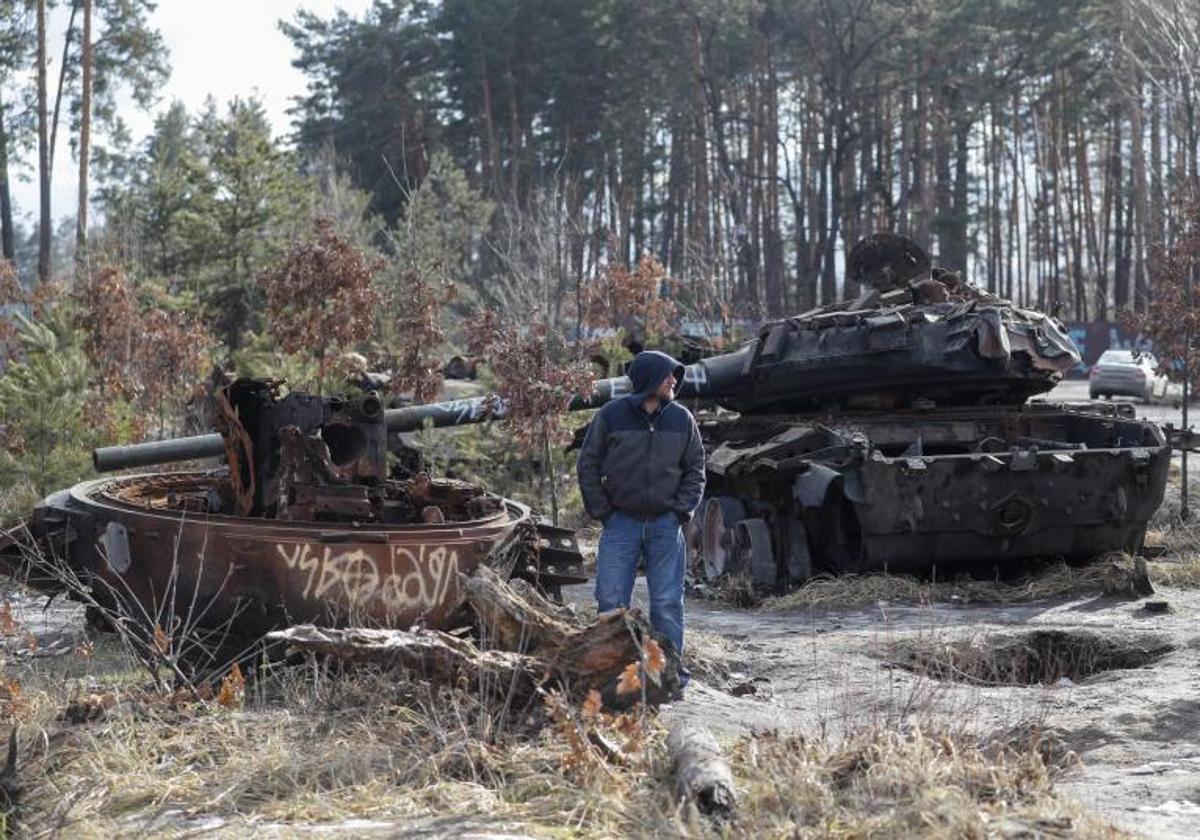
704 378
109 458
710 377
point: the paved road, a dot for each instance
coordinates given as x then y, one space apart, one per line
1074 390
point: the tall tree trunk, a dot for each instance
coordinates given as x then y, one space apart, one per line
7 247
1116 187
1013 276
85 140
1095 267
957 224
942 192
773 276
44 267
1157 200
1141 227
62 79
823 221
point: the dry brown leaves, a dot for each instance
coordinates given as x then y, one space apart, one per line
12 700
320 296
171 354
621 298
630 679
161 642
108 316
152 357
537 386
418 335
233 688
654 660
35 303
1173 316
8 624
593 739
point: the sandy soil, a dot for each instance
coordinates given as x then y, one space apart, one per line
1136 732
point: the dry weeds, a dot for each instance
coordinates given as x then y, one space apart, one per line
883 784
349 753
1180 574
309 748
1057 580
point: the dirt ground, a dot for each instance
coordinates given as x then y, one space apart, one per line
1136 732
1130 715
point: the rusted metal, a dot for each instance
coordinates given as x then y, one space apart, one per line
304 525
149 534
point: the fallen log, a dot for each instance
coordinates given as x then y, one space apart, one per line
523 647
701 775
510 619
429 654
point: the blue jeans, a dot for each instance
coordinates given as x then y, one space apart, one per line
660 540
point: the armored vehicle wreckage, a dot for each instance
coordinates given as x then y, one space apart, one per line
305 524
889 431
892 431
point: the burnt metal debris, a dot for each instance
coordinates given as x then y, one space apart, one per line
304 525
891 430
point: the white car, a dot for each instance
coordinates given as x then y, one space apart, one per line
1126 373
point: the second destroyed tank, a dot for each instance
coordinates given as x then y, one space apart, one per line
893 431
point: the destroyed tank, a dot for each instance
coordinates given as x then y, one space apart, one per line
304 524
893 431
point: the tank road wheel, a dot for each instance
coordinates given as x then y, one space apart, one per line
754 544
799 559
721 514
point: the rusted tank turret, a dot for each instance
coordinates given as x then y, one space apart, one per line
306 524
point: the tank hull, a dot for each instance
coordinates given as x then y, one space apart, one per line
912 491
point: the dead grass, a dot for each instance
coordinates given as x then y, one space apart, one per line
883 784
312 748
1180 574
1057 580
1180 565
371 752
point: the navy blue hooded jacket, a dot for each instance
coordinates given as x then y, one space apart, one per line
643 464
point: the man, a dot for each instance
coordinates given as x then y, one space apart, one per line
641 472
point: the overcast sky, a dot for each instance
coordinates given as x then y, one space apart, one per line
223 48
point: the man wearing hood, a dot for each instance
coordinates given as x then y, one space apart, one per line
641 472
